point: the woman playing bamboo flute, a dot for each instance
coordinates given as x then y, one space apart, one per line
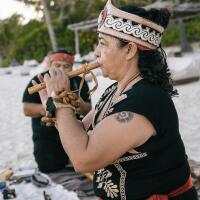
131 140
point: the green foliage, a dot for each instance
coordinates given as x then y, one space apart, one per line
20 42
5 63
33 42
135 2
193 30
8 29
87 41
171 37
30 26
65 38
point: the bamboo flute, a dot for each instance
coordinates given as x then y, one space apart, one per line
83 68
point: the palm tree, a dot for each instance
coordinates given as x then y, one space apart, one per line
49 25
41 5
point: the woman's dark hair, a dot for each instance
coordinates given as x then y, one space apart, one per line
152 63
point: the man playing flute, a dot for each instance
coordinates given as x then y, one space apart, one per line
48 151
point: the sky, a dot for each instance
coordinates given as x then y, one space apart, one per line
9 7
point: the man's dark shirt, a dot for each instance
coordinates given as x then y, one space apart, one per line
48 151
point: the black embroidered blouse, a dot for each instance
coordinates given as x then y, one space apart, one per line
156 167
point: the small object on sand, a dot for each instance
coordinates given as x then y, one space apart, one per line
6 175
9 193
40 180
2 185
46 196
16 181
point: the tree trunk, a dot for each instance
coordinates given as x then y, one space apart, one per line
49 25
185 46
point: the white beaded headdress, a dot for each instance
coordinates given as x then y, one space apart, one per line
130 27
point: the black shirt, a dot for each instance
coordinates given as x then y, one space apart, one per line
160 164
48 151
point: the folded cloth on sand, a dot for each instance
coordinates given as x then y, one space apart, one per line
73 181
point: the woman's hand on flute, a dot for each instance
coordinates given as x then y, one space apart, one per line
56 81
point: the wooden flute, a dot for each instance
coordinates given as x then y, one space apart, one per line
83 68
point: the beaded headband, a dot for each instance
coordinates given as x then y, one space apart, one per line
130 27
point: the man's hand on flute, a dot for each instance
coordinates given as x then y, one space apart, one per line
56 81
42 93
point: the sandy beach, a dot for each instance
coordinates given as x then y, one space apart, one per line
15 129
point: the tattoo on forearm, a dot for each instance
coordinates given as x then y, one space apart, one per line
124 116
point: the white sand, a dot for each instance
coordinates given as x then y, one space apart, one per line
15 129
188 108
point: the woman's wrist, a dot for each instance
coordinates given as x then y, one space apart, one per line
50 106
42 110
64 109
53 104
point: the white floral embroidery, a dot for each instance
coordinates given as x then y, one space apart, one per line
108 112
153 37
122 181
115 100
106 95
120 98
104 182
132 157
